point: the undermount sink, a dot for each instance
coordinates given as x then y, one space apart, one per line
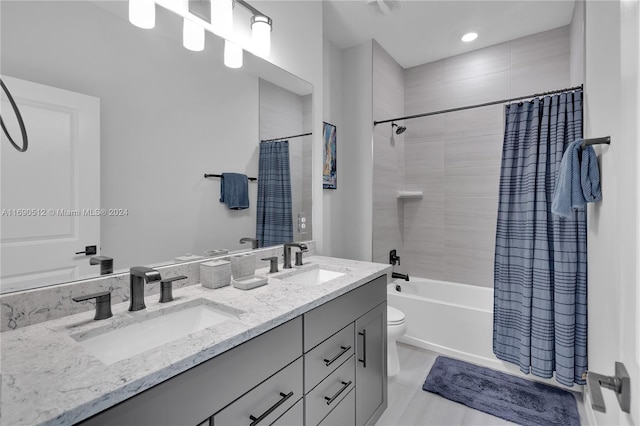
313 276
125 342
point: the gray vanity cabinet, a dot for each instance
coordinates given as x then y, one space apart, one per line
371 366
348 335
307 371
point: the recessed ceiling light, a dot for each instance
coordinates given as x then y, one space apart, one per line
469 37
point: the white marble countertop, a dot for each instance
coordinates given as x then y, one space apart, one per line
48 378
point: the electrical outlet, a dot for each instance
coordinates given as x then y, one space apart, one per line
302 223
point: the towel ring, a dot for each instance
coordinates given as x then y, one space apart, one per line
23 130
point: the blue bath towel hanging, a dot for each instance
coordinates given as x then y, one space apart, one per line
578 181
234 190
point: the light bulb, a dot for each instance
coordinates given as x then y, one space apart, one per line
142 13
232 55
222 17
261 35
469 37
192 36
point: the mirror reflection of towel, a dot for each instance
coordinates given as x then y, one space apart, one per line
234 190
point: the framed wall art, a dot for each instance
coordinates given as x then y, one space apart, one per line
329 180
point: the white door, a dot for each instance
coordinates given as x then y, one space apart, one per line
51 191
612 93
629 208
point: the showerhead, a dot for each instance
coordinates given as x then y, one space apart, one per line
400 129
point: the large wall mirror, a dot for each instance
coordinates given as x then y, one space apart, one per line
123 124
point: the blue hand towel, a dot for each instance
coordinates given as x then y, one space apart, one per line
234 190
590 176
577 183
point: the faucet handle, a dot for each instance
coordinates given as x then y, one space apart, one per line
166 288
393 257
273 264
103 303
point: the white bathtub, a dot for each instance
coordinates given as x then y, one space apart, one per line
454 320
449 318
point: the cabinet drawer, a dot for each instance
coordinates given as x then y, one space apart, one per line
293 417
344 414
327 356
323 321
328 394
267 401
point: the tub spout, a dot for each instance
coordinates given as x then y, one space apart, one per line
397 275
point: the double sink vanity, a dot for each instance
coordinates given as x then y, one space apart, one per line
308 348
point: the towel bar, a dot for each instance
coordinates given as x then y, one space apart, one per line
596 141
206 175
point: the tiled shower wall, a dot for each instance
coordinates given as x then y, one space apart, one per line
455 158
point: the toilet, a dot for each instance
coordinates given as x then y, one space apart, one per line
396 327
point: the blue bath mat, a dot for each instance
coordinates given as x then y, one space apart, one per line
511 398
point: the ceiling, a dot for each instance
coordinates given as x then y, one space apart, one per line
415 32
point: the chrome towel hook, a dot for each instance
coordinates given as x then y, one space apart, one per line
23 130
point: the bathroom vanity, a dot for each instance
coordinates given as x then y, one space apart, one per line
291 353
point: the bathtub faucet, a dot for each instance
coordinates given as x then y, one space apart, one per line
397 275
393 257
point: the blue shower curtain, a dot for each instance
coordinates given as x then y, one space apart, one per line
540 271
274 216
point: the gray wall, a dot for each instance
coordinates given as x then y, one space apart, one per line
455 158
388 156
577 44
355 168
333 214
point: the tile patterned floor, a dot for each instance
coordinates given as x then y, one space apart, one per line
409 405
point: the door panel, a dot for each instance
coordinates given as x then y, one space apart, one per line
51 191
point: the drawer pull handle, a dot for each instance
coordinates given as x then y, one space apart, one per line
330 399
256 420
328 362
364 348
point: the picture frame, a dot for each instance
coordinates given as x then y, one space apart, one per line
329 168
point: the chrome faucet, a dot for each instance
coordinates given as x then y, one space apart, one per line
253 241
139 275
287 253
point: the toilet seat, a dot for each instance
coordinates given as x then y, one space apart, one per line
394 316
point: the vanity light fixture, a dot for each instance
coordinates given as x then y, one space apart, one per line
261 26
192 36
215 16
222 16
469 37
232 55
261 34
142 13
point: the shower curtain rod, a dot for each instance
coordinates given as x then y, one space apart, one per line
286 137
408 117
